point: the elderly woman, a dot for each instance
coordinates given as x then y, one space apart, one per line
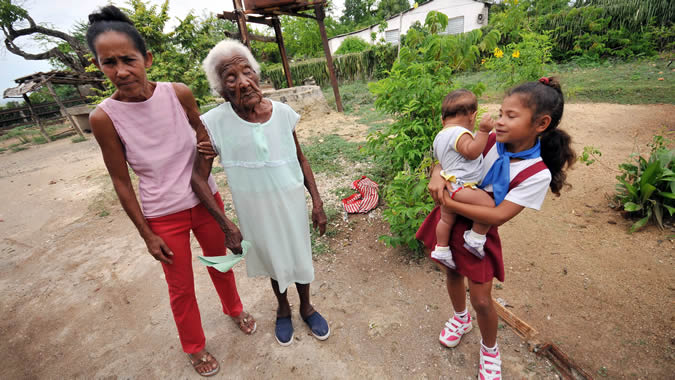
266 171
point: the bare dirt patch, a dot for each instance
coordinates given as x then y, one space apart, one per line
81 298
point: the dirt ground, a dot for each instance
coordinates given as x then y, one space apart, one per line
82 298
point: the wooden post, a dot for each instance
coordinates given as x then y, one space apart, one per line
241 22
36 118
282 50
63 108
320 16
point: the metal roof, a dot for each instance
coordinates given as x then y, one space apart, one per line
33 82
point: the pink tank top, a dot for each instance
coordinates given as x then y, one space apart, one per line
160 146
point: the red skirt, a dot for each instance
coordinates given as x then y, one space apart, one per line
480 271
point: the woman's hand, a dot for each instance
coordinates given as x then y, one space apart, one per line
232 237
158 248
447 201
206 149
319 219
436 184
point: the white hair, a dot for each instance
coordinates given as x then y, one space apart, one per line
225 48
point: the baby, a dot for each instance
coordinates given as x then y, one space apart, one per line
460 155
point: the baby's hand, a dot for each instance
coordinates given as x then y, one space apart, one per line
487 123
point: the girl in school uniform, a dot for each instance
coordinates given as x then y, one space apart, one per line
526 155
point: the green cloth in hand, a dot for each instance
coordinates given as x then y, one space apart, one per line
225 263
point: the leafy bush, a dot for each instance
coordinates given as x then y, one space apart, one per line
522 61
647 186
352 45
412 94
408 203
589 30
348 67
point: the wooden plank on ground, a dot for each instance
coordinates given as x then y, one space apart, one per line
523 330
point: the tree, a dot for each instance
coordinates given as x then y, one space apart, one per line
389 8
358 12
16 22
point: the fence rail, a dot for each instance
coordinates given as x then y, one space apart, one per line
14 117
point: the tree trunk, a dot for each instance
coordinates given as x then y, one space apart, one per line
76 61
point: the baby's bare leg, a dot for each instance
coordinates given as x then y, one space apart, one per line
444 227
476 197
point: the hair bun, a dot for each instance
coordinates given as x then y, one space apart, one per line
109 13
551 82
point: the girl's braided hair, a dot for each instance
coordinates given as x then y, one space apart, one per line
545 97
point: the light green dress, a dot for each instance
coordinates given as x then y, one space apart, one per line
267 187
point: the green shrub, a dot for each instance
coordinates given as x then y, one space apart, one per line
352 45
348 67
412 95
521 62
39 140
408 203
646 187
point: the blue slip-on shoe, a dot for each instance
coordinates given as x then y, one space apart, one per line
318 325
283 331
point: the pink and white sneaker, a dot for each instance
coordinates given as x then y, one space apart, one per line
490 367
453 331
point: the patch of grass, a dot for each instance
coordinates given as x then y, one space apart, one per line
18 147
343 192
622 82
39 140
217 169
17 132
354 95
357 100
103 213
2 150
330 153
319 243
78 139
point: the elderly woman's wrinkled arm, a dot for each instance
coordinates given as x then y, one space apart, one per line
319 219
200 185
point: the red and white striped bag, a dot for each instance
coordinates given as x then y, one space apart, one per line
365 200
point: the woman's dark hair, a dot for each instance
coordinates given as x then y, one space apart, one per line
459 102
111 18
545 97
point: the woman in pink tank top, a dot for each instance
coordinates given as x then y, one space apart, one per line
153 127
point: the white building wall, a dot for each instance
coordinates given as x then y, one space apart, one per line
452 8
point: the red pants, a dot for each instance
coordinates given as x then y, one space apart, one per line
175 229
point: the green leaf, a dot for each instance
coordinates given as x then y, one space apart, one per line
639 224
658 215
632 207
666 194
647 190
671 210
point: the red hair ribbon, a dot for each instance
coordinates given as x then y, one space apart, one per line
544 80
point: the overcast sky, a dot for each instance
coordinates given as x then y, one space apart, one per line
63 14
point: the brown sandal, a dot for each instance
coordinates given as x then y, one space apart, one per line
207 358
243 320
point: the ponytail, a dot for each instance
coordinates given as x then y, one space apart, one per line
545 97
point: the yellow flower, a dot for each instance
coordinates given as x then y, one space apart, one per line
499 53
516 54
482 62
416 5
